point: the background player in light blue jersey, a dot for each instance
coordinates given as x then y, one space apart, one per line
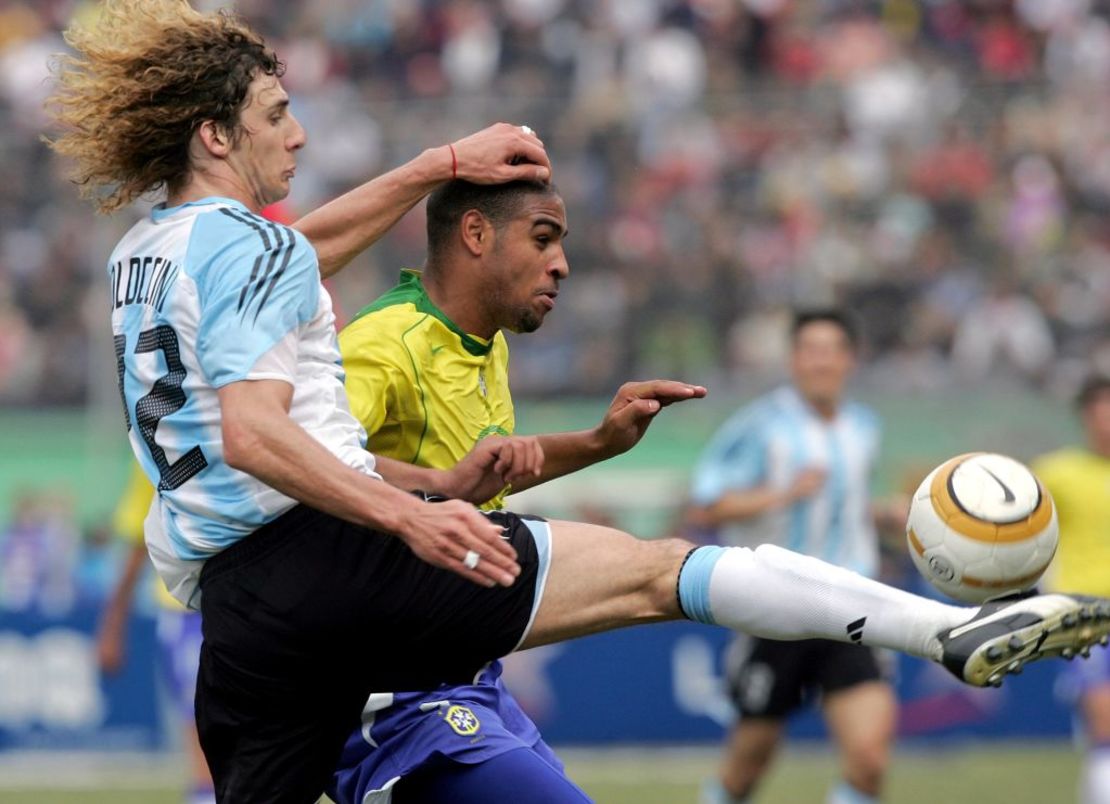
794 468
321 582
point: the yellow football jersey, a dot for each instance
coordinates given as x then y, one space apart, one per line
425 391
127 520
1079 481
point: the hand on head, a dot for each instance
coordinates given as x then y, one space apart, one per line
501 153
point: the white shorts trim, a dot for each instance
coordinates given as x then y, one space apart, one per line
541 533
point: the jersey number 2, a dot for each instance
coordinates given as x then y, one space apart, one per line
164 398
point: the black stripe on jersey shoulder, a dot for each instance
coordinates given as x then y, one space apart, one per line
257 286
253 221
274 279
280 247
246 287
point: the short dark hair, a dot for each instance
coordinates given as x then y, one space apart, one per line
499 203
1091 388
831 315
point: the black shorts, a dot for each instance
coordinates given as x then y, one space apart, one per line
770 679
307 616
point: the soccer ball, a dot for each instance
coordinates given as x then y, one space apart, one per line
981 526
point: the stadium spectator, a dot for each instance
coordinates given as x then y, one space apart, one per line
752 79
1005 332
38 552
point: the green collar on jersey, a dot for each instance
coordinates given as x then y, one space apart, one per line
410 290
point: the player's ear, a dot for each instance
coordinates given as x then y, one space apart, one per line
476 232
215 138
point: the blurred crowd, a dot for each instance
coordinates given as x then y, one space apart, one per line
941 167
49 564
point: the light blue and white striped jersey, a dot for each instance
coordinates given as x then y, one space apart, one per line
203 295
768 443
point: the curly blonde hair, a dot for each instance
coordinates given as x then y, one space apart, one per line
144 77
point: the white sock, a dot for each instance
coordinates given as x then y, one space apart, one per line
776 594
713 792
1096 777
844 793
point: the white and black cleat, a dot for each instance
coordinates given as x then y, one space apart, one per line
1006 635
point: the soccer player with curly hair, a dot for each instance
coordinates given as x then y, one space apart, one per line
319 577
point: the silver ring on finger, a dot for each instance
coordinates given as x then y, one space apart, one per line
527 129
470 561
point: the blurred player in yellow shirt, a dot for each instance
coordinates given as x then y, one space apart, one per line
178 631
1079 480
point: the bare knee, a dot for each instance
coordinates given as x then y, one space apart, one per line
601 578
749 754
862 719
865 765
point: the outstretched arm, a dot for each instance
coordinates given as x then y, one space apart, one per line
343 228
737 505
624 424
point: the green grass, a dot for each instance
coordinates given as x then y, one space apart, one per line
1032 774
968 775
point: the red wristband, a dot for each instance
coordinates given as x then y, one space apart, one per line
454 162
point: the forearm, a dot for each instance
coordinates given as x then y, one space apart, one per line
119 605
737 506
347 226
409 477
564 453
282 455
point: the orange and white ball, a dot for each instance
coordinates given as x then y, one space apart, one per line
982 526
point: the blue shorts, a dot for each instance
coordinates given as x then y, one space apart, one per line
409 734
179 639
418 734
520 776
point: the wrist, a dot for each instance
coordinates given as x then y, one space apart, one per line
389 509
442 482
438 164
599 446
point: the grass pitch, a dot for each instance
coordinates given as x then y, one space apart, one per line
961 774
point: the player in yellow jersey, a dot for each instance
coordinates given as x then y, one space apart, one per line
1079 480
178 631
427 389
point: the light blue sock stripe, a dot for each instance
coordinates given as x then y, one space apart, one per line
693 583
